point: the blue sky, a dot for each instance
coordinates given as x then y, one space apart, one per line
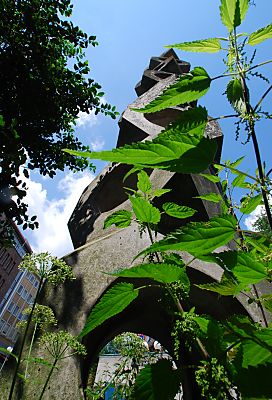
129 33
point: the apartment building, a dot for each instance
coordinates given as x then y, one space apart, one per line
17 289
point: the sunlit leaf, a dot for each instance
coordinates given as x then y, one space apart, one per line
143 184
164 273
189 87
213 197
113 302
121 219
226 287
144 211
211 178
174 210
8 353
233 12
184 153
200 46
160 192
250 204
198 237
260 35
235 95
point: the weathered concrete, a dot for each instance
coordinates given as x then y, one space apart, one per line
99 252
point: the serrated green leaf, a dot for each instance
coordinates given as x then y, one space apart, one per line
160 192
144 211
130 172
189 87
174 210
192 121
243 266
200 46
213 197
260 35
226 287
157 382
182 153
233 12
198 238
144 184
254 354
239 181
250 204
237 162
211 178
121 219
113 302
235 95
164 273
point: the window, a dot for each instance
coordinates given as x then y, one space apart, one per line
24 294
5 328
11 306
16 310
29 298
36 284
10 267
20 288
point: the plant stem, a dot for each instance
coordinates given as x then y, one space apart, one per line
152 241
30 348
262 98
23 342
48 378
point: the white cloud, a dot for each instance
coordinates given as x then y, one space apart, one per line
97 144
249 221
53 214
86 119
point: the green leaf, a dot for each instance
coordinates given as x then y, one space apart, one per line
113 302
249 204
193 121
235 164
164 273
260 35
144 211
198 237
254 354
239 181
235 95
144 184
213 197
2 122
189 87
210 177
174 210
160 192
121 219
200 46
157 382
182 153
226 287
233 12
130 172
243 266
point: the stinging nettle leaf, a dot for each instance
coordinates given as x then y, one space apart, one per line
144 211
157 382
249 205
164 273
226 287
212 197
211 178
198 238
233 12
160 192
121 219
144 184
182 153
260 35
200 46
235 95
174 210
113 302
189 87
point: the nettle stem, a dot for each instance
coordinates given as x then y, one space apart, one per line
48 378
23 342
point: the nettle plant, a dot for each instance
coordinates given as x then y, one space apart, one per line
236 353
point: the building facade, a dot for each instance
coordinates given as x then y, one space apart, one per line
17 289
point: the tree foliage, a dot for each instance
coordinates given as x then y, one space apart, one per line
45 83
